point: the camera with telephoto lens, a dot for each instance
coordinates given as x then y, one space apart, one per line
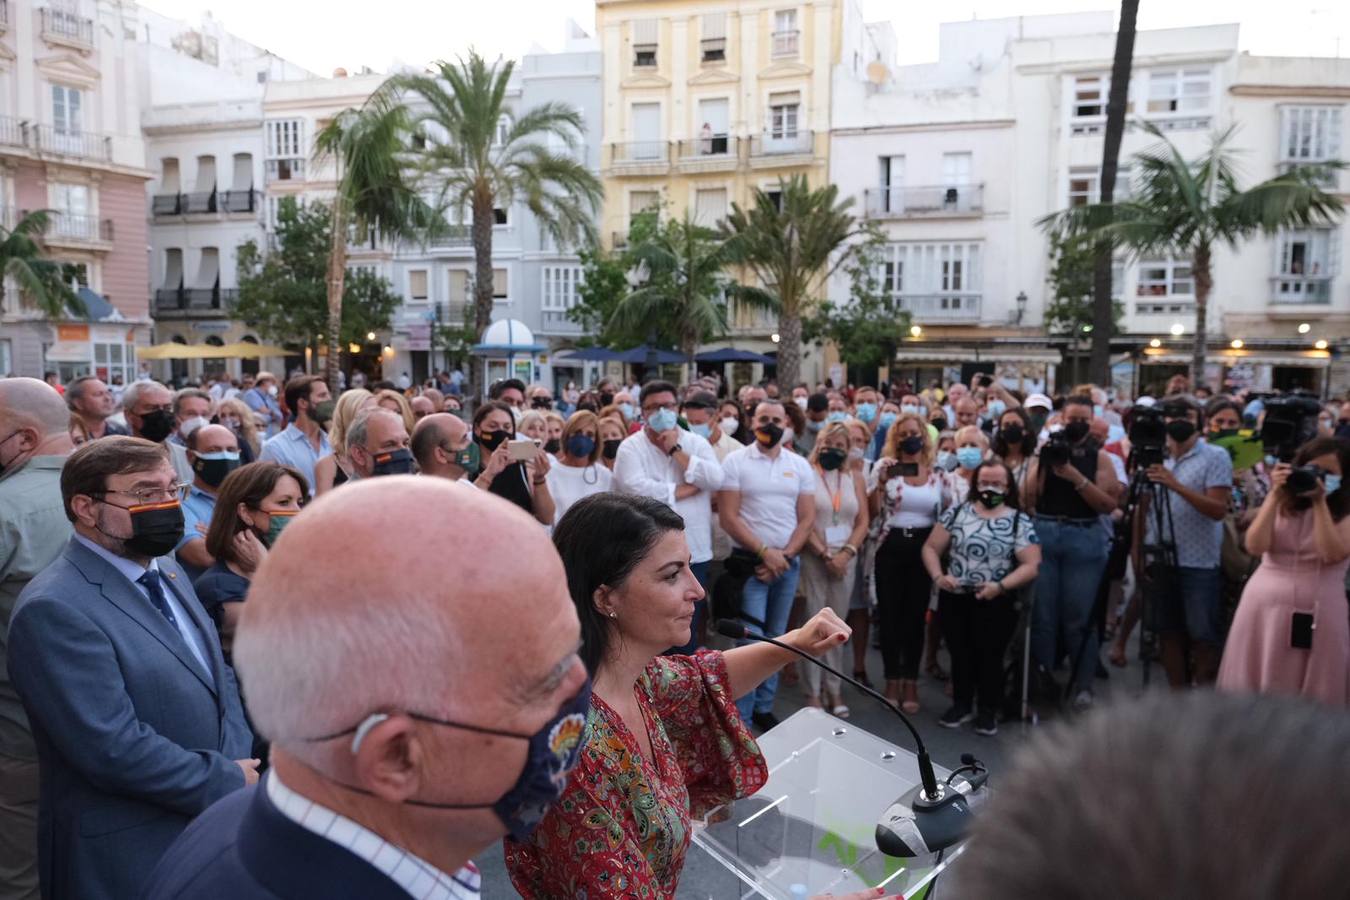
1148 436
1303 479
1056 450
1289 423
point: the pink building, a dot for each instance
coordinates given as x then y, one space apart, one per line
70 143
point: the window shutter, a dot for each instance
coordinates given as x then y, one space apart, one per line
645 31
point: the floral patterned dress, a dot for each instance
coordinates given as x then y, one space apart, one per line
622 827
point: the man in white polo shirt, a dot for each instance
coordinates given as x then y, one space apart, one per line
679 468
767 505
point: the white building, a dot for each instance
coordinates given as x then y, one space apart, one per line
957 161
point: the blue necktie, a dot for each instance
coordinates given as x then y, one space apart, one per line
155 588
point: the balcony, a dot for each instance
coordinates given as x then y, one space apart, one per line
925 202
1301 290
286 169
195 302
67 228
555 321
713 153
782 148
640 157
785 43
949 307
13 133
454 236
166 205
199 202
239 201
68 28
81 144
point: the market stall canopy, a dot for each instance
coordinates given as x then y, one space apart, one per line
68 352
505 337
732 355
241 350
639 356
587 354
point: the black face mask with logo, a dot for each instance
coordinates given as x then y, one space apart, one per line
156 528
157 425
395 462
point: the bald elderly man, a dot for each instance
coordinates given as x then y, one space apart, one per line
440 443
408 735
34 444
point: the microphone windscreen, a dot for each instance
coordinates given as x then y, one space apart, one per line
730 628
967 759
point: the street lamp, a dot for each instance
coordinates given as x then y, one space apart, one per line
774 337
1178 329
915 331
1237 344
1320 345
1155 343
1304 328
1021 305
370 335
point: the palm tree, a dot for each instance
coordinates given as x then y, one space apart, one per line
375 194
1103 307
1186 207
483 159
787 243
686 285
40 280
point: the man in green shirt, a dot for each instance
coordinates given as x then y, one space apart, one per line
34 444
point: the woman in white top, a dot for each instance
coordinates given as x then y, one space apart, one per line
830 556
579 472
908 494
971 449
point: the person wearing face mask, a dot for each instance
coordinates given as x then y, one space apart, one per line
523 483
945 460
34 444
191 410
303 442
1038 408
237 417
665 744
907 494
579 472
830 559
442 446
678 468
136 715
213 452
733 423
612 433
992 553
254 503
970 450
397 753
1290 636
866 405
262 398
336 468
815 408
148 406
554 425
1015 443
1199 480
767 504
1069 496
377 443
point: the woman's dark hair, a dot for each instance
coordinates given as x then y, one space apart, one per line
1339 502
1218 405
1028 445
482 413
1010 495
601 539
743 431
248 485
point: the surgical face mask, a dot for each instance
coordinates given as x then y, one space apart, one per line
1097 410
552 755
729 425
213 467
814 427
627 410
704 431
837 416
191 425
996 408
271 390
768 435
491 440
866 411
909 409
832 458
395 462
801 403
231 422
887 419
855 454
969 457
322 412
662 420
991 498
156 528
788 437
1115 433
1271 461
1331 482
946 460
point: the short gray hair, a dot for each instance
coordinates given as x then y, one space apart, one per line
1170 795
132 395
360 427
188 394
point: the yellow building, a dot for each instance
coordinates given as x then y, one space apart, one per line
707 100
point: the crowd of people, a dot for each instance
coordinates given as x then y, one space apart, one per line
152 541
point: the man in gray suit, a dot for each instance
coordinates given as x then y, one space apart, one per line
136 717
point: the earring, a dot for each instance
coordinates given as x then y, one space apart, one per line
613 614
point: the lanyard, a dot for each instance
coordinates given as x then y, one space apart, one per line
836 495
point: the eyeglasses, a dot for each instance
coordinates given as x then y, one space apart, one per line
154 495
654 407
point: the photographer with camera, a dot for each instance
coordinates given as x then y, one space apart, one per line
1071 484
1290 634
1198 478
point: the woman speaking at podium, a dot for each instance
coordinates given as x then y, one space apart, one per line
665 742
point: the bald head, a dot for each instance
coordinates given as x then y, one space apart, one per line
435 442
422 406
29 403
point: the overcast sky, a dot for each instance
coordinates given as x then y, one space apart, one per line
322 36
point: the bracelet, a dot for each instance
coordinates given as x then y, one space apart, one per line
539 481
760 551
1081 485
852 550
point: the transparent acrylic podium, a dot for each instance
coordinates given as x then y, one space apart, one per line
812 826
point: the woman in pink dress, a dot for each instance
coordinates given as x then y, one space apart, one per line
1304 542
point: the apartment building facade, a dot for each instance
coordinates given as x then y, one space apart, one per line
70 143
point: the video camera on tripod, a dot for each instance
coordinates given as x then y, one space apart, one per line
1289 423
1148 437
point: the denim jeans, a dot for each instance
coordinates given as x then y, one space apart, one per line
700 570
1073 558
771 603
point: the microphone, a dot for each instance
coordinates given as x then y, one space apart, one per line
929 816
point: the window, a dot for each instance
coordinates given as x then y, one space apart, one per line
1085 185
710 206
647 132
714 44
1305 265
283 138
461 287
713 118
67 103
115 358
642 201
934 280
72 219
1310 135
783 110
503 132
1179 91
645 33
1164 277
499 217
1089 96
417 284
785 32
560 284
499 285
956 169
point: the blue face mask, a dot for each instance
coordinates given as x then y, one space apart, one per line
627 410
867 411
945 460
909 409
1331 482
1271 461
969 457
580 446
887 419
1115 433
554 750
996 408
837 416
814 427
703 431
662 420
